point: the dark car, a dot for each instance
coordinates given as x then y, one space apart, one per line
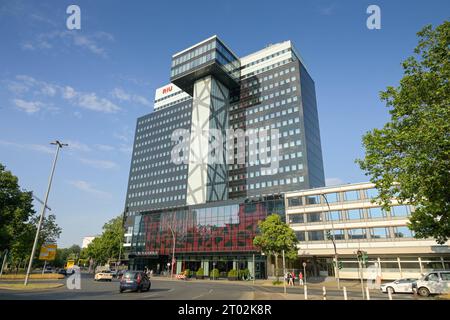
62 271
135 281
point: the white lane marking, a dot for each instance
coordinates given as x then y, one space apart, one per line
199 296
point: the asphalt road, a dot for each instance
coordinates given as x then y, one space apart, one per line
183 290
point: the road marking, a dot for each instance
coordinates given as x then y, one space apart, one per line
199 296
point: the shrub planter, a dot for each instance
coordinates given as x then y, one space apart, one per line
199 277
233 278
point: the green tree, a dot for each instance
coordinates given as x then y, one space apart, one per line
409 157
16 208
108 245
275 237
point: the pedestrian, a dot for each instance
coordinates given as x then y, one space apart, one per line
293 278
300 278
286 277
290 279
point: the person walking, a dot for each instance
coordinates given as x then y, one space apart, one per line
293 278
300 278
290 279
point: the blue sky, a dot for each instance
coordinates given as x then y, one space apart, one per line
87 87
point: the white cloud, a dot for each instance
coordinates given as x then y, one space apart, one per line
333 181
77 146
103 147
92 102
86 187
28 106
99 164
68 93
32 147
93 43
120 94
87 100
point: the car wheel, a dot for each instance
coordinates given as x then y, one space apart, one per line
148 288
121 290
391 289
424 292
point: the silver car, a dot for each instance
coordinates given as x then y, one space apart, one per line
436 282
399 286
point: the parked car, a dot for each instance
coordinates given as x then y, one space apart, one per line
62 271
436 282
399 286
104 275
135 281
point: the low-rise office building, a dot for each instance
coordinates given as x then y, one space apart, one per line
358 223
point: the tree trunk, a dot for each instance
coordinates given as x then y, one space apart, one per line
276 266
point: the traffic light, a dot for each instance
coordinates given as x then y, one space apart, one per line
362 256
329 237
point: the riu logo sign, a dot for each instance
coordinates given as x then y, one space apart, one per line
167 89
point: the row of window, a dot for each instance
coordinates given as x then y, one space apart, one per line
159 115
352 214
355 234
181 187
270 67
266 58
155 181
275 183
258 81
275 114
157 200
166 105
272 86
157 173
352 195
286 156
191 54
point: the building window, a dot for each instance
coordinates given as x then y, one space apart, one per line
399 211
372 193
332 197
296 201
313 199
355 214
334 216
376 213
300 235
339 234
296 218
403 232
357 233
379 233
316 235
314 217
351 195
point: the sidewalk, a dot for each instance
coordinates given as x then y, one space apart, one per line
329 284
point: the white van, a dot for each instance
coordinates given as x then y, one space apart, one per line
435 282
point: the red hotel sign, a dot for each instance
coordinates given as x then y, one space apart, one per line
167 89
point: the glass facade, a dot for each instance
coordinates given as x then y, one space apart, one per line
226 228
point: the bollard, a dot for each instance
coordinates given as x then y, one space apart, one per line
345 293
305 288
389 294
324 293
367 293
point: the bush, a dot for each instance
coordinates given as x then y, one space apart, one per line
187 273
200 272
233 273
214 274
244 273
275 282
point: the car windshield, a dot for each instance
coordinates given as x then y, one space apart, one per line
129 275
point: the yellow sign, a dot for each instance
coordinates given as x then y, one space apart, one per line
48 252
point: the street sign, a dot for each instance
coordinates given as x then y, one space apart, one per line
48 252
304 264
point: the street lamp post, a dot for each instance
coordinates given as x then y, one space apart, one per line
59 145
333 239
173 252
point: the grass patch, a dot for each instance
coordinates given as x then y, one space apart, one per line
45 276
277 283
30 286
444 296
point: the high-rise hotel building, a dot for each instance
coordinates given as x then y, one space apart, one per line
206 212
